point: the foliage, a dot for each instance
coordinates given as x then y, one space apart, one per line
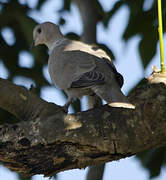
153 160
14 16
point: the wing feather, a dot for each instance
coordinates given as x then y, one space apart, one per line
89 79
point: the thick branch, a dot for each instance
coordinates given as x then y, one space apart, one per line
20 102
48 141
90 14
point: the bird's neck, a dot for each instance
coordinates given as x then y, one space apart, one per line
55 43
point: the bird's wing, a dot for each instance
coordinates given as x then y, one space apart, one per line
118 76
102 55
73 65
66 67
88 79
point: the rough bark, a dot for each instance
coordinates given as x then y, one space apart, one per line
90 14
47 140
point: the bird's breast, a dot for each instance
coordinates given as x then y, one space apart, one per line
60 75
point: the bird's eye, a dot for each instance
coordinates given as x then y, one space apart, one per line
39 30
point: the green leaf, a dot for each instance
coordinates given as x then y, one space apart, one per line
66 6
148 50
40 4
142 23
153 160
20 177
108 15
62 21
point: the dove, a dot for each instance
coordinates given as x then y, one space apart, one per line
79 68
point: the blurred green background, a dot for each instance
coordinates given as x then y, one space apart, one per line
16 26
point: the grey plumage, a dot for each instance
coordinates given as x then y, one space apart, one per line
80 69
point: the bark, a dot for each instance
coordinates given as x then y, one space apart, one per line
47 140
91 15
96 172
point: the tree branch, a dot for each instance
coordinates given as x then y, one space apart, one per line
95 172
48 141
91 14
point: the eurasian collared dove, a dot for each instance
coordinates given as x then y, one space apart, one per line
80 69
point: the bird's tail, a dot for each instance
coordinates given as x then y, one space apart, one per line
118 99
113 96
122 105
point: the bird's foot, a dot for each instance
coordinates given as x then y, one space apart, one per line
66 106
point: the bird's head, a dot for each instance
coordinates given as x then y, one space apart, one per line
46 33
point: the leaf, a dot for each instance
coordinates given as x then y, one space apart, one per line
66 6
62 21
153 160
20 177
40 4
142 23
147 50
72 35
108 15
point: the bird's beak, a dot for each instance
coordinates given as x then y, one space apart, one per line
32 45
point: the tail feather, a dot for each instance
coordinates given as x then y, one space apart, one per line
122 105
113 96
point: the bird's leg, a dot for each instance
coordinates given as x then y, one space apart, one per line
94 101
66 106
